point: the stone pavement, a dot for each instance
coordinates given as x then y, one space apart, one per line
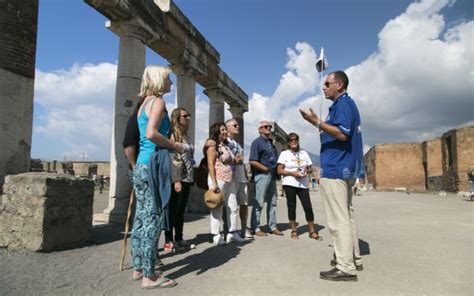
413 244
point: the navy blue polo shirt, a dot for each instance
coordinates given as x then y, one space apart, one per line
262 150
343 159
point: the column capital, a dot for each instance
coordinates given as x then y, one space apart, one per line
181 69
129 28
214 94
237 111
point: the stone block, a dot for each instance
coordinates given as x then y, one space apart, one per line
46 212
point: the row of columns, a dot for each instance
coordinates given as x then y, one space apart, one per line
131 64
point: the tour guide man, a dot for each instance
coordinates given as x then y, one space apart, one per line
341 163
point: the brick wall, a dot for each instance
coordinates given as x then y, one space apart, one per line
18 27
432 164
457 155
369 160
399 165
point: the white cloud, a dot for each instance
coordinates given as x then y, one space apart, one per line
419 82
77 110
282 106
415 86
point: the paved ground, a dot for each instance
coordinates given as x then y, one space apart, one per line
416 244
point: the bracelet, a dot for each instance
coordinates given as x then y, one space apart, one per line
317 124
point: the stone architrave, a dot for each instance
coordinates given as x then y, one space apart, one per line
186 95
18 31
131 64
238 114
216 105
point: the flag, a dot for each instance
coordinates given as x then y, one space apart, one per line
164 5
321 63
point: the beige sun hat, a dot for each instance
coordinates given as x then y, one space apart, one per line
213 200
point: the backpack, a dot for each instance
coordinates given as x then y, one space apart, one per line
200 178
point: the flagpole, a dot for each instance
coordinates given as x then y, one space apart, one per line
323 66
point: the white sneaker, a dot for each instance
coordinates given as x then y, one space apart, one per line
248 234
218 240
234 237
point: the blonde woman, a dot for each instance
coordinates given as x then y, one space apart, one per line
154 125
183 164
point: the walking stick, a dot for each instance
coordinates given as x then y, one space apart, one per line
124 242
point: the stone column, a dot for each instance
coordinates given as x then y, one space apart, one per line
216 105
186 95
18 29
131 64
238 114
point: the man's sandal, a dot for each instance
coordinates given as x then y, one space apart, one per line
161 282
314 235
294 234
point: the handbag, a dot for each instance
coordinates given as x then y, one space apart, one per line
212 199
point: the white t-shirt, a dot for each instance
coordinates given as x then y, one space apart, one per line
294 161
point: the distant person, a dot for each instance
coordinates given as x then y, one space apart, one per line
153 159
183 164
101 183
263 160
239 177
220 161
341 163
293 166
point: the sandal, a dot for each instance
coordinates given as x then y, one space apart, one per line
294 234
161 283
315 235
138 275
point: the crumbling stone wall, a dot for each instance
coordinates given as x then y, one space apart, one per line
45 212
103 168
84 169
432 164
369 162
18 29
457 156
396 165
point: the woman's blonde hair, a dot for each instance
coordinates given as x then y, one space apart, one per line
176 129
153 80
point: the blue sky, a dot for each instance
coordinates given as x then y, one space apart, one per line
269 48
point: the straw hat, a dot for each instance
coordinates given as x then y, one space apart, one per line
212 199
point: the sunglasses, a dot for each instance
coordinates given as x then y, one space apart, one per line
327 83
293 140
187 116
266 126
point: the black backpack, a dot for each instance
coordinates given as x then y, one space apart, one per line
201 174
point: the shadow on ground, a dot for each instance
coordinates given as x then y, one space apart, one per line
200 263
108 233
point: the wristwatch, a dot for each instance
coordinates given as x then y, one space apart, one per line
317 124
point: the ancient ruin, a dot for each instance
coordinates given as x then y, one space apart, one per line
18 29
141 23
46 211
440 164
